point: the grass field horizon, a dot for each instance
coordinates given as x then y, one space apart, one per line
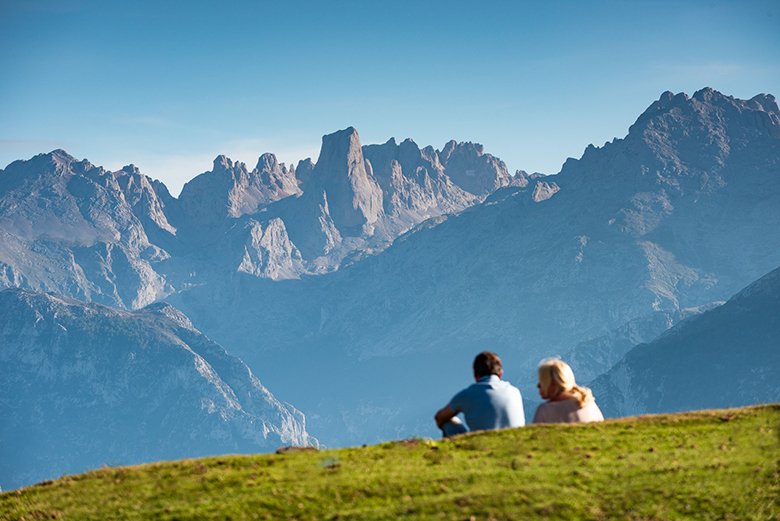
718 464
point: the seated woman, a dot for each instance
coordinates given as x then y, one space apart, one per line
567 402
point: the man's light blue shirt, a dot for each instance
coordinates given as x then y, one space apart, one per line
490 403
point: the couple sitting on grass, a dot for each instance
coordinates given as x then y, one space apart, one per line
492 403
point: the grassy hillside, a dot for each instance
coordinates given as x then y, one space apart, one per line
705 465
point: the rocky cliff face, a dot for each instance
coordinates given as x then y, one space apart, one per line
341 201
268 252
86 385
148 198
347 181
725 357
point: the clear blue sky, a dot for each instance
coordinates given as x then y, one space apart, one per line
169 85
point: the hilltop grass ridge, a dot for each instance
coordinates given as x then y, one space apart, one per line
719 464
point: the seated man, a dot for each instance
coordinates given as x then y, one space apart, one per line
490 403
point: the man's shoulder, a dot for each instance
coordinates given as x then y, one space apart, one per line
506 386
486 387
471 392
469 389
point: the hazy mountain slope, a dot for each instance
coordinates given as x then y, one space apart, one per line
590 357
682 212
725 357
86 385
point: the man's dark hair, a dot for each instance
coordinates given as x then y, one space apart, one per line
487 363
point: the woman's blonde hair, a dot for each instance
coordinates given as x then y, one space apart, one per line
558 371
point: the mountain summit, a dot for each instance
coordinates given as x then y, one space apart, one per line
346 182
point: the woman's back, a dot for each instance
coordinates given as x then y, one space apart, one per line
568 411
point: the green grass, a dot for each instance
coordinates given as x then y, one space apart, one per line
704 465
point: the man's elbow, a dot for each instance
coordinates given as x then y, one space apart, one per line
442 416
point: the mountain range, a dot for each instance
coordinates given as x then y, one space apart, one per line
672 219
120 238
360 287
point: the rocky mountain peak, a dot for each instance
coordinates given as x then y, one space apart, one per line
683 144
706 107
354 197
473 170
414 184
130 169
766 101
521 178
303 171
708 94
430 154
222 163
149 200
453 146
275 176
342 146
60 155
131 179
56 162
408 148
267 163
231 190
75 228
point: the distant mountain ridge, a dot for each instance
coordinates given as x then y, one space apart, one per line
84 385
120 238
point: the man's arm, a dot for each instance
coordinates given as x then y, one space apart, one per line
444 415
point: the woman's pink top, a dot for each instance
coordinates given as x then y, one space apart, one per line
568 411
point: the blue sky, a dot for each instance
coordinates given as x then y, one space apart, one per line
169 85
